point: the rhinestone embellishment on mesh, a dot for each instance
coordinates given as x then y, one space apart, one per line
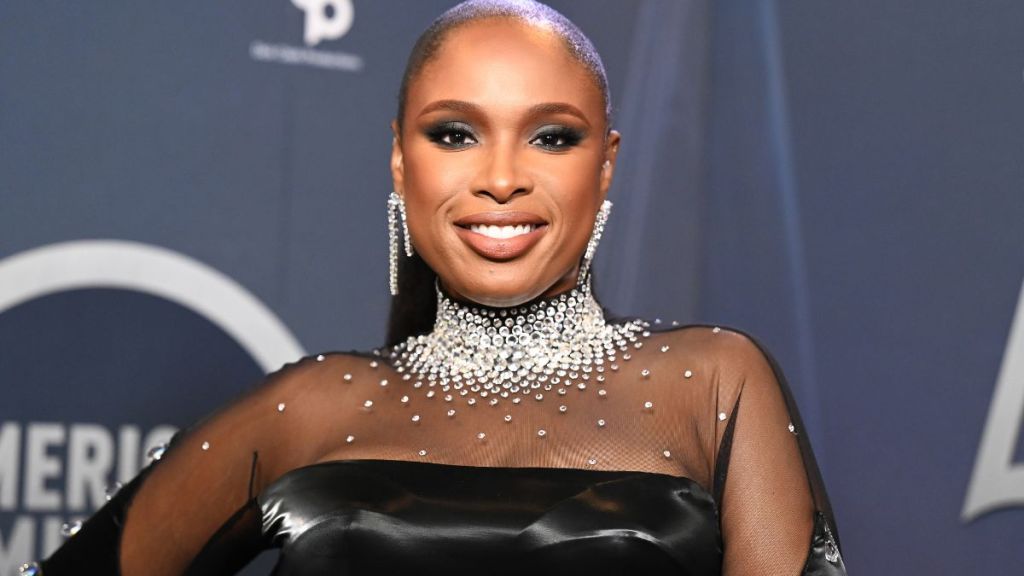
504 352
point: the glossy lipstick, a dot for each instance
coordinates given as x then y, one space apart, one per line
501 236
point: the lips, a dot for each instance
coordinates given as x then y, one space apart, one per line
501 236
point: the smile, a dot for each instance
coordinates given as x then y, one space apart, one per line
502 232
501 236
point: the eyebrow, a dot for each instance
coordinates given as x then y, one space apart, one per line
535 110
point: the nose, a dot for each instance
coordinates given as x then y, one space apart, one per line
502 174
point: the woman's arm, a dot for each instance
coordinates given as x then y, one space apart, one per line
193 511
775 514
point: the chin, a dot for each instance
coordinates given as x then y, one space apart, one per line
503 297
500 293
493 301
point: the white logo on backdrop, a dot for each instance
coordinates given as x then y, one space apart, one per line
323 20
153 270
94 452
997 482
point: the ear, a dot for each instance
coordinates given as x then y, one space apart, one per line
611 153
397 160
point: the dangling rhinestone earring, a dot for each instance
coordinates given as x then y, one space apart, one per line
396 210
595 237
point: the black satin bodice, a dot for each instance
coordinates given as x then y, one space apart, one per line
399 517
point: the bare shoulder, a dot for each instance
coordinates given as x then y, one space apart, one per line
728 358
302 407
719 343
317 371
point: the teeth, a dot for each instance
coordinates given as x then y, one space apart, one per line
502 232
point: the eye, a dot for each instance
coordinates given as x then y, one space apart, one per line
451 135
557 138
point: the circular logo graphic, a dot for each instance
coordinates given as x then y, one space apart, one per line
153 270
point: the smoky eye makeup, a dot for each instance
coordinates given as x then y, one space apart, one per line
450 134
557 137
457 135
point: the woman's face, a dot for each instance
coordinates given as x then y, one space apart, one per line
503 160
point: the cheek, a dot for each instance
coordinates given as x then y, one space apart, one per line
433 183
434 175
426 175
429 184
573 185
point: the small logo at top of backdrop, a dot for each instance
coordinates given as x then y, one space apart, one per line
324 20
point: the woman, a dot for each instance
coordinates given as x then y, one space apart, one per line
509 426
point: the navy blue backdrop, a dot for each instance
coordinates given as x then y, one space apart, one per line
192 194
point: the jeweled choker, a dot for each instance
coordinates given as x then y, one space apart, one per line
492 353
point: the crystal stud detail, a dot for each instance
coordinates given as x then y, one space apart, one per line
112 491
69 529
156 452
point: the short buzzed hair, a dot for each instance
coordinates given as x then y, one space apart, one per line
526 11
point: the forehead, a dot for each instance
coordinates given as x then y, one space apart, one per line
505 64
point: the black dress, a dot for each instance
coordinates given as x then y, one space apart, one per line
692 461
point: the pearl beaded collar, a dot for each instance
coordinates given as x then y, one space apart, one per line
489 354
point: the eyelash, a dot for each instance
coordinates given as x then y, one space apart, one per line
439 132
568 136
454 136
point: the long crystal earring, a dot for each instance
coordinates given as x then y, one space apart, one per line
405 228
396 210
595 238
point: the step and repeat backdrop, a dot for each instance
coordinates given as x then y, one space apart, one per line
193 194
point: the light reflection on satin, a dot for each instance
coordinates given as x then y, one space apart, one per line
376 516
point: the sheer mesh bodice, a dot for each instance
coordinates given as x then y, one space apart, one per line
697 413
